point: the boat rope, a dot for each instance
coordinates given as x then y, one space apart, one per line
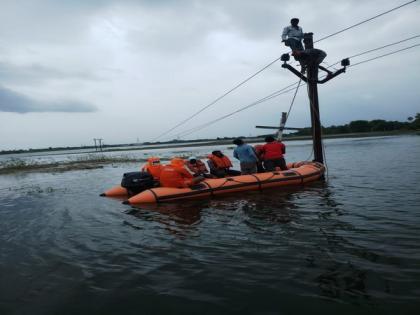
310 154
273 62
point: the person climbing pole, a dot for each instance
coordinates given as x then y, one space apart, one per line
292 37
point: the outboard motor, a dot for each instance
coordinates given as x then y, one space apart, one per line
136 182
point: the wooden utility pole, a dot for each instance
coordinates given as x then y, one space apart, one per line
311 59
312 69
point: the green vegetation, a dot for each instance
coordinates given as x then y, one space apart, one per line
81 163
363 126
354 128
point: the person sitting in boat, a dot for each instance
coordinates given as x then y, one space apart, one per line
153 167
176 175
197 167
273 154
246 156
220 165
259 153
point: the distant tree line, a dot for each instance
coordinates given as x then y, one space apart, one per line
366 126
356 126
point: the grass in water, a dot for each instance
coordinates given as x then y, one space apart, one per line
80 163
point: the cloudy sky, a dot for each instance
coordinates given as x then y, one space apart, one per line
127 70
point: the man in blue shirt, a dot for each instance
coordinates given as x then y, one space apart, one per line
246 156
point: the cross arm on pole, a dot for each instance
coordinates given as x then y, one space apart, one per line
295 72
282 128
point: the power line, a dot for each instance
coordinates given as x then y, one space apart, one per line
384 55
275 94
270 64
262 100
365 21
378 48
219 98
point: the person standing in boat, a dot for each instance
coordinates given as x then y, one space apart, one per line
176 175
220 165
273 154
246 156
259 153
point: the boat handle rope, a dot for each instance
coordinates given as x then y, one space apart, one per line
210 188
154 194
260 182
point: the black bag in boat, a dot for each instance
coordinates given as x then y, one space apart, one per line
136 182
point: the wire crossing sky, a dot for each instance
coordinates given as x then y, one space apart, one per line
126 71
285 90
274 61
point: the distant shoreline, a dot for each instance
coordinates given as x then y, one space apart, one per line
94 161
209 142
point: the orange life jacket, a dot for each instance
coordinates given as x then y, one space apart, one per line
197 168
153 167
175 175
220 162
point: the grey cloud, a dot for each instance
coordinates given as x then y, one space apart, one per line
14 102
179 26
37 74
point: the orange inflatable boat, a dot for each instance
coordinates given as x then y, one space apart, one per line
298 174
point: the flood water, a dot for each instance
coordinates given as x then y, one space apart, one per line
350 245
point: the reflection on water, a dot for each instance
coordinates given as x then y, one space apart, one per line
178 219
350 245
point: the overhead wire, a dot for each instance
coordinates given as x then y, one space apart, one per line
264 99
217 99
274 95
365 21
270 64
384 55
378 48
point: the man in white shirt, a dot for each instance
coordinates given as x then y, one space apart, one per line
292 36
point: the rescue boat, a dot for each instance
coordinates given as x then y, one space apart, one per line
298 173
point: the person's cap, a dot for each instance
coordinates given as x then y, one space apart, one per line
294 20
192 158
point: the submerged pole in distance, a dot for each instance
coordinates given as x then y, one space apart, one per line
283 119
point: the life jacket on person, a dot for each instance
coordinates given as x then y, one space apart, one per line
175 175
197 168
220 162
153 167
273 150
